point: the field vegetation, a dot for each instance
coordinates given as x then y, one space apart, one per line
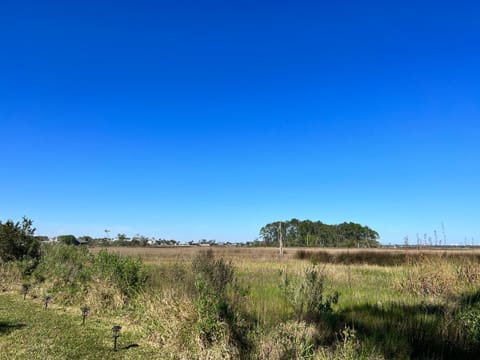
241 303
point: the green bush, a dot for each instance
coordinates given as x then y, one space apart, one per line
66 239
468 321
71 273
212 278
209 309
216 272
217 302
128 274
17 241
306 295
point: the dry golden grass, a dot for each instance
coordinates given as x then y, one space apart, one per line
266 254
182 253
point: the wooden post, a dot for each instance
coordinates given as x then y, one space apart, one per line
280 238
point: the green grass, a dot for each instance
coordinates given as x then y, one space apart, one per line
29 331
427 308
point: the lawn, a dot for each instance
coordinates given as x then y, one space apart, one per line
29 331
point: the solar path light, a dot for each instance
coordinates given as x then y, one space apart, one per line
116 333
25 288
47 300
84 313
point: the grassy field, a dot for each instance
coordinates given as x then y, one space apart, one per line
156 254
426 306
29 331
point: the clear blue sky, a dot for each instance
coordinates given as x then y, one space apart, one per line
202 119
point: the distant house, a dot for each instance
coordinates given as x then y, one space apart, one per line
80 242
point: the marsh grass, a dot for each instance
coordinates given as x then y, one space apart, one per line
387 306
427 307
382 257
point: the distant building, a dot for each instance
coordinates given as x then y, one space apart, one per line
80 242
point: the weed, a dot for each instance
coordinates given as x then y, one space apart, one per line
290 340
306 295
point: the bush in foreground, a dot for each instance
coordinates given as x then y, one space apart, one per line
17 241
75 275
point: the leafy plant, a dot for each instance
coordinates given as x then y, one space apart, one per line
217 300
17 241
306 295
73 272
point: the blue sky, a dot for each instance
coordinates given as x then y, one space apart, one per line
202 119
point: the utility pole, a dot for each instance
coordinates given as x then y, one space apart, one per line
444 237
280 238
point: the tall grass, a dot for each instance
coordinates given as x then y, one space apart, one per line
73 275
382 257
321 305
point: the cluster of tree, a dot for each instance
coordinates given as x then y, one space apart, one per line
315 233
17 241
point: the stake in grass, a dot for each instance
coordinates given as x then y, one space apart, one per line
25 288
47 300
116 333
84 313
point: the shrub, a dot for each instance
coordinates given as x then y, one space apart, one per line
65 272
216 272
217 301
211 312
17 241
212 278
468 321
128 274
306 295
73 274
66 239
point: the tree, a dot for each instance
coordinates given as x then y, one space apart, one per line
122 237
67 239
309 233
17 240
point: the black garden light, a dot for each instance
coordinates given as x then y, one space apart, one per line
116 333
84 313
47 300
25 288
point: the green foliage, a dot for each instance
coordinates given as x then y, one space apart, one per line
66 239
309 233
129 274
66 268
216 272
212 278
469 322
74 271
209 309
217 301
17 241
306 295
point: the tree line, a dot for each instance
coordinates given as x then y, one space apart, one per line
307 233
